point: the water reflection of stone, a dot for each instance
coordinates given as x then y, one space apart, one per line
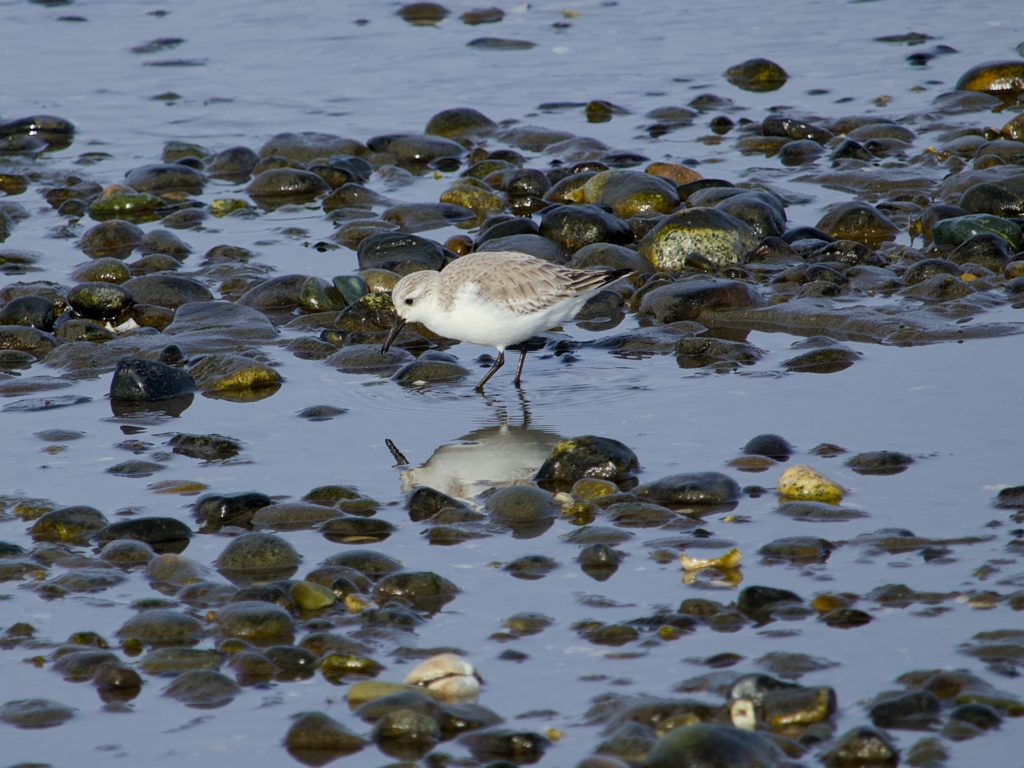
485 458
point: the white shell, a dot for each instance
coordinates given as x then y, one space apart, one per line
446 677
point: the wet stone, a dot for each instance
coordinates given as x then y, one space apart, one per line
35 713
222 374
987 250
797 549
34 311
828 359
127 553
957 229
74 525
78 329
420 590
927 268
292 516
162 534
858 221
691 489
879 462
258 556
114 238
915 711
757 75
719 236
116 682
701 351
501 744
163 178
521 507
412 150
216 511
688 299
136 380
1000 78
761 211
101 301
161 627
772 446
367 358
288 183
397 251
167 290
579 225
429 371
79 666
818 511
276 294
233 164
202 689
586 456
371 564
315 738
256 621
424 503
25 339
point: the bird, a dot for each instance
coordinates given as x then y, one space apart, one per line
497 298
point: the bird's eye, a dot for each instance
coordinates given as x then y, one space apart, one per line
408 302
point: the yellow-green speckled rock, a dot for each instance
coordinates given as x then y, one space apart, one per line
228 373
996 77
473 195
803 482
311 597
629 193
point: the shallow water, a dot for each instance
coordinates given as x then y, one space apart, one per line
250 70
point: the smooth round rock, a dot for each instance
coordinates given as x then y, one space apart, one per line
140 381
714 234
203 689
255 555
256 621
35 713
586 456
697 488
162 626
100 301
287 183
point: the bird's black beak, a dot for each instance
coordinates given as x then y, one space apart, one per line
392 335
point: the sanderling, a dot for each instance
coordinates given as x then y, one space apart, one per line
498 298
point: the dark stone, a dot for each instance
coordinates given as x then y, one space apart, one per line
879 462
423 503
400 251
713 746
167 290
586 456
34 311
574 226
100 301
420 590
686 300
696 488
758 602
915 711
772 446
163 534
137 380
216 511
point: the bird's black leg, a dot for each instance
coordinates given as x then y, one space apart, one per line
494 369
519 368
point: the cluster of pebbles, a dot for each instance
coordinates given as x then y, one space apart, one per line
933 236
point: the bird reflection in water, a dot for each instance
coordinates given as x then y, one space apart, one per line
489 457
